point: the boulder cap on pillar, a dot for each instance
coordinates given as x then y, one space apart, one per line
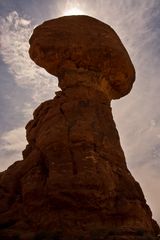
83 44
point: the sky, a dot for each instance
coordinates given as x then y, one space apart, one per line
23 85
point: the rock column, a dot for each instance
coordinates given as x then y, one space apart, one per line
73 180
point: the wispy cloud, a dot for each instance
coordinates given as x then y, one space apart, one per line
13 140
150 183
15 33
12 143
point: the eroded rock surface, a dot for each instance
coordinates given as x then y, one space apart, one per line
73 182
80 43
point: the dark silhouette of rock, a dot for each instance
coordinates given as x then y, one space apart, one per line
73 182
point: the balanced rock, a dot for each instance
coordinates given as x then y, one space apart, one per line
73 182
83 46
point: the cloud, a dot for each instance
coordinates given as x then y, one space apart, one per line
39 85
149 180
13 140
12 144
15 33
29 78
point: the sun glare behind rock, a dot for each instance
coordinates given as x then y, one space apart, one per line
73 11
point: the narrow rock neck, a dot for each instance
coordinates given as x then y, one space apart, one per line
85 79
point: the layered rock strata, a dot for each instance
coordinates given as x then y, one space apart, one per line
73 182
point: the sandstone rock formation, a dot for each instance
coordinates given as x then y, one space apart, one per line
73 182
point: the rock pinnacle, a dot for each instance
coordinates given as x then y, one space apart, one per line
73 181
